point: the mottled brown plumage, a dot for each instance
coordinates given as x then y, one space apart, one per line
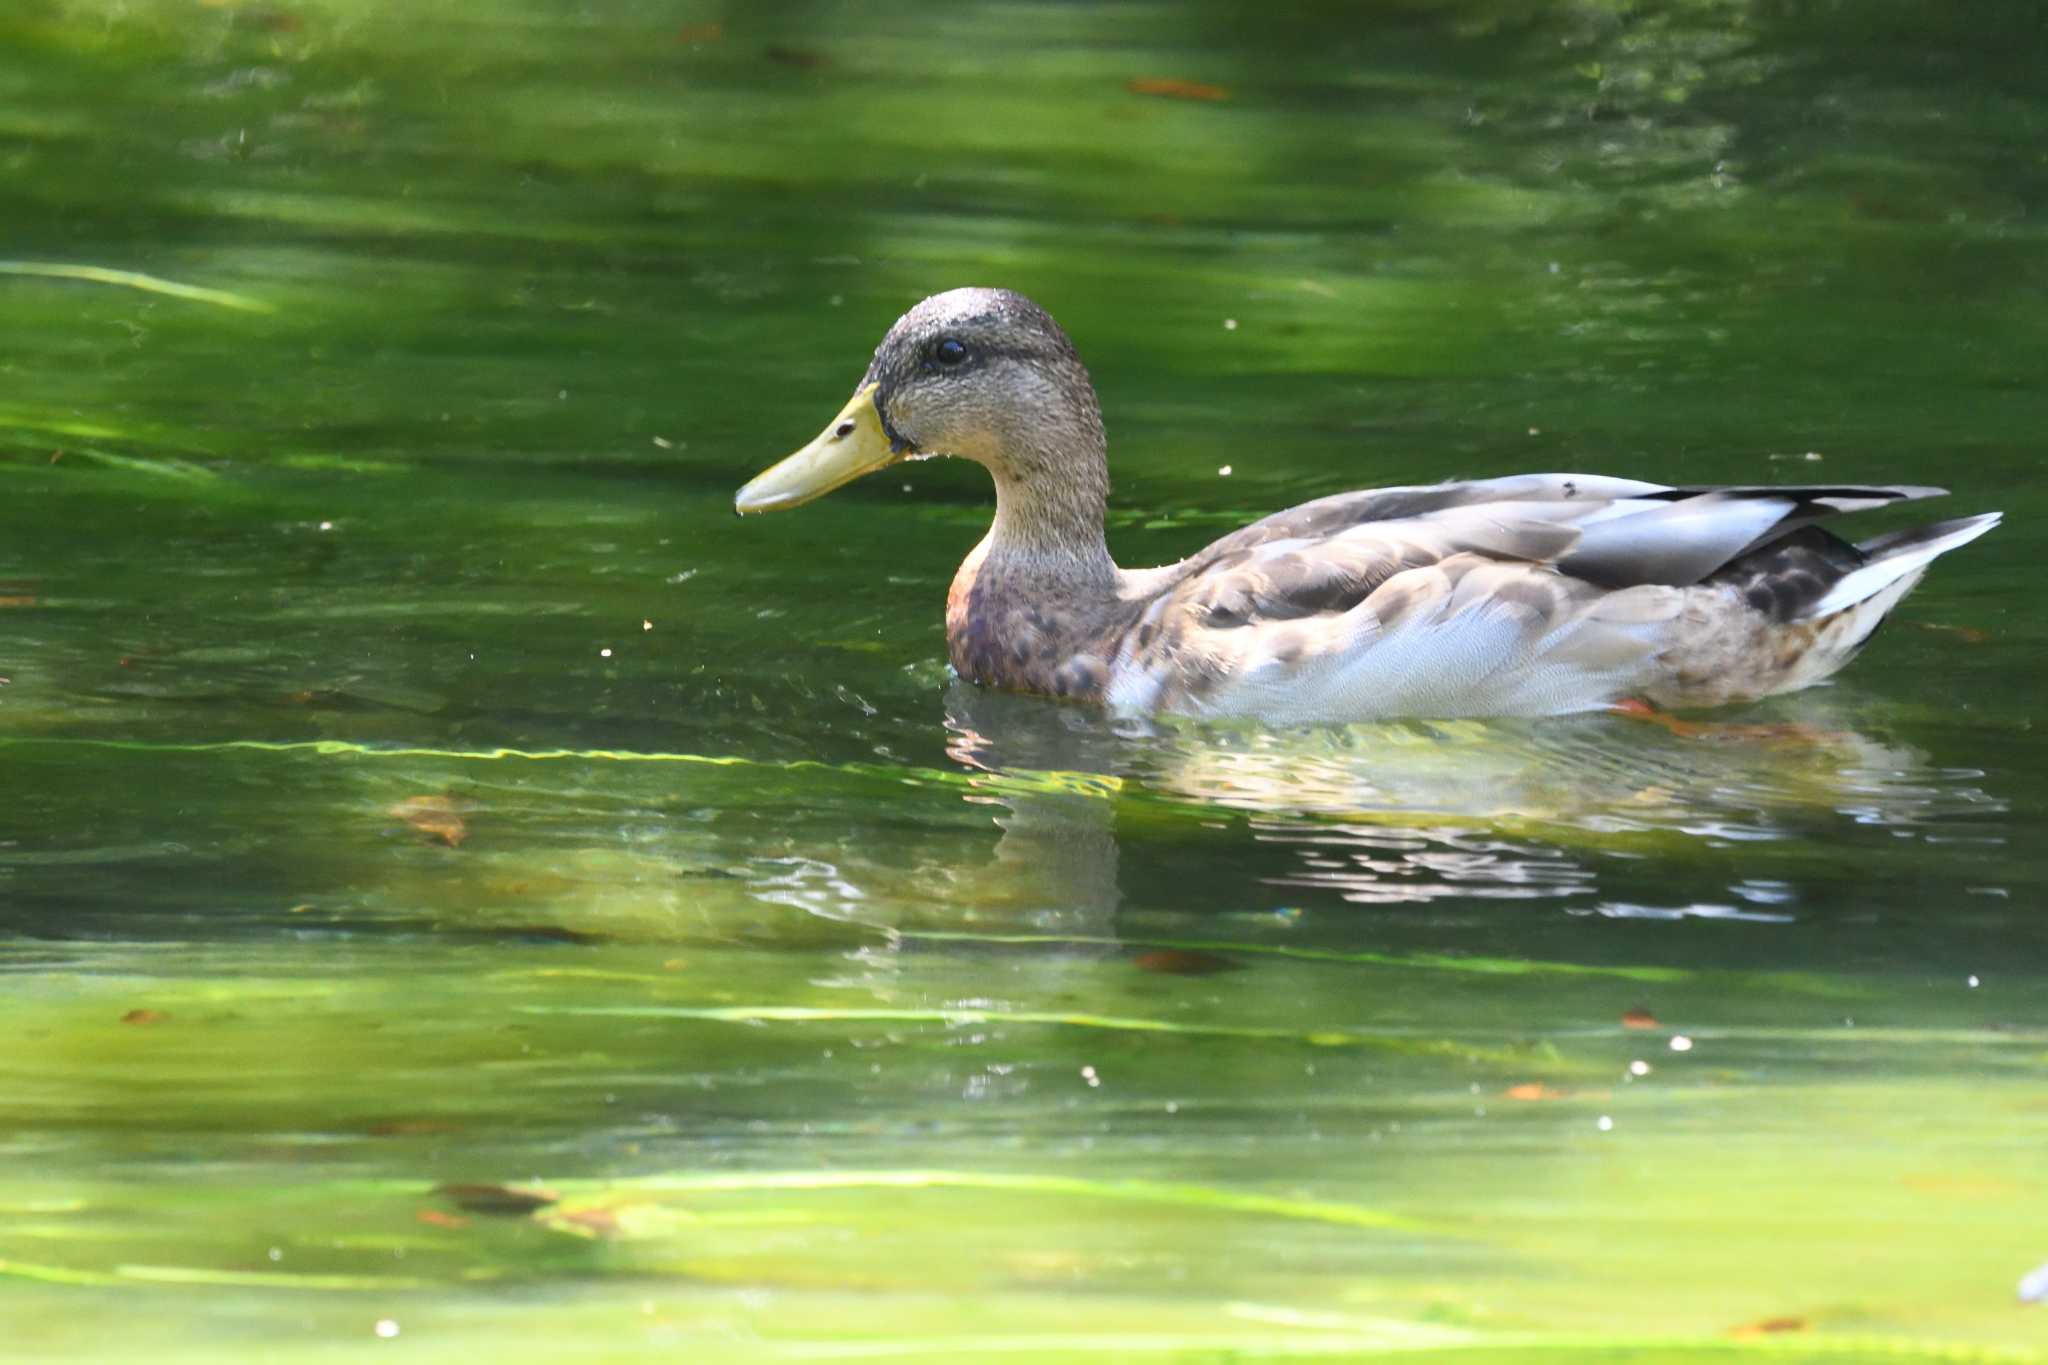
1534 594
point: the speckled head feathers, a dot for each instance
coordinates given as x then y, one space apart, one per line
1004 323
988 375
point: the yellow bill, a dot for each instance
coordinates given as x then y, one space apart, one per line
852 445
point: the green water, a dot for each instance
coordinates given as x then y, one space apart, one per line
414 781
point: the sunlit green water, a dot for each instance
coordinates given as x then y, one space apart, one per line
415 777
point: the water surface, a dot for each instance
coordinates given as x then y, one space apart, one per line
462 891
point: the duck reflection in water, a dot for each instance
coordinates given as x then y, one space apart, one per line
1412 813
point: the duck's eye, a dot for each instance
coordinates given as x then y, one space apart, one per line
950 351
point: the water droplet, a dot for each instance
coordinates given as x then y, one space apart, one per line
1680 1043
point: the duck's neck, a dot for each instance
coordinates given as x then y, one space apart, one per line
1048 535
1052 494
1029 608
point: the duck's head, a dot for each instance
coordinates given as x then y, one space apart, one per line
985 374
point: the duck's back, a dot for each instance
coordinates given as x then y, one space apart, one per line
1536 594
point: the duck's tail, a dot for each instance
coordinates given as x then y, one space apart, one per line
1897 561
1814 601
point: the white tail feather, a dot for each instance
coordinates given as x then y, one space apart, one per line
1898 555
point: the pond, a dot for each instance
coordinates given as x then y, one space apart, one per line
464 891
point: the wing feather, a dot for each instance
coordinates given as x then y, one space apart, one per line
1536 593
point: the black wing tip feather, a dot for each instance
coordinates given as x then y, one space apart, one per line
1808 492
1892 542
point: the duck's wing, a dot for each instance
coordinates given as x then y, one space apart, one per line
1341 511
1539 593
1593 494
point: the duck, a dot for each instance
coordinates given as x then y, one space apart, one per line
1524 595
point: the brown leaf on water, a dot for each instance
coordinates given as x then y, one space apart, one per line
1783 733
17 600
590 1222
1765 1327
700 33
144 1017
801 58
1638 1018
553 933
499 1201
436 1218
1969 635
411 1127
1535 1090
437 817
272 20
1183 962
1167 88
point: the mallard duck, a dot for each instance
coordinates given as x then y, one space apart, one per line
1535 594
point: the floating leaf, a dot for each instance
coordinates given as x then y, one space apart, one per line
1789 732
592 1221
437 817
800 58
1969 635
1767 1327
1535 1090
411 1127
1184 962
499 1201
1638 1018
1166 88
438 1219
144 1017
552 933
